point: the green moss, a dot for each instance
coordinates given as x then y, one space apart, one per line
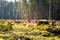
1 39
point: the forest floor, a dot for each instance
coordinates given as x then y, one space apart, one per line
29 30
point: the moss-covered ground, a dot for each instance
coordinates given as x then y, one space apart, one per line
12 30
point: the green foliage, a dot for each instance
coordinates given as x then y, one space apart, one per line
5 26
42 31
25 4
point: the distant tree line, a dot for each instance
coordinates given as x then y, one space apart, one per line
8 10
39 9
30 9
